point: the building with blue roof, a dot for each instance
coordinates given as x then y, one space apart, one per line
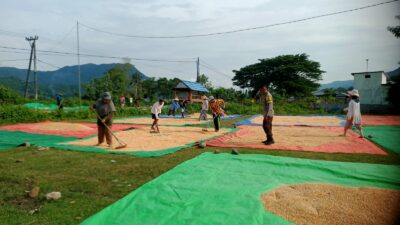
189 90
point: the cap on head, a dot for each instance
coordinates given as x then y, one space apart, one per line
106 96
211 97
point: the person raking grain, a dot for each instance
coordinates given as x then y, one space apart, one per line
104 108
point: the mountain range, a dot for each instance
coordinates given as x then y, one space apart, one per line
64 80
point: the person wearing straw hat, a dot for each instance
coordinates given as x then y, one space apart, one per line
353 113
173 107
104 108
204 108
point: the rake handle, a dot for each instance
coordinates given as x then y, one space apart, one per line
109 129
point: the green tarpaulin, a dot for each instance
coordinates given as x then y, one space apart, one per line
34 105
226 189
385 136
11 139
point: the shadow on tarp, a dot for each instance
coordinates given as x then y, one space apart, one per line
227 189
11 139
249 122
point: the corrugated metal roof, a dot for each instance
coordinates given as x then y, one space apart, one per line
194 86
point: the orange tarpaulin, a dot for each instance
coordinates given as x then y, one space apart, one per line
312 139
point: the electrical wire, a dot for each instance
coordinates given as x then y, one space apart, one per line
216 71
100 56
238 30
49 64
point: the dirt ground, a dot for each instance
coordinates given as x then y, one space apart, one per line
313 203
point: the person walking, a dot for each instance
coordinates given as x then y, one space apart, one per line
155 113
104 108
268 114
204 108
353 113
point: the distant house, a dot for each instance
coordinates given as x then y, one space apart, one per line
373 88
189 90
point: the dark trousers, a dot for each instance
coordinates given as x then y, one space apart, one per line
102 132
216 121
171 111
267 126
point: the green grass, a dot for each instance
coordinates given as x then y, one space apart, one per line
90 181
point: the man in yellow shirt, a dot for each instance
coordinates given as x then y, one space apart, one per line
268 108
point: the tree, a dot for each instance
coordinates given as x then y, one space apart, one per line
395 30
115 81
203 79
290 75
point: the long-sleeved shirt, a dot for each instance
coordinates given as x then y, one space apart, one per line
354 111
174 105
156 108
214 106
204 106
104 109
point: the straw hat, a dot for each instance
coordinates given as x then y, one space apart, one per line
204 97
176 99
353 92
211 97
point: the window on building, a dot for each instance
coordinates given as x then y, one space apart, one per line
367 76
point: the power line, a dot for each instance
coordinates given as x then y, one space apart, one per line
49 64
238 30
214 70
12 60
100 56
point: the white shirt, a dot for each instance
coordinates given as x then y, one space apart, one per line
354 111
204 106
156 109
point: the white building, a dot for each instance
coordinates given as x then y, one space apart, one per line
372 86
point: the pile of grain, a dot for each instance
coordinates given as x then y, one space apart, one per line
332 204
302 120
60 126
290 136
143 140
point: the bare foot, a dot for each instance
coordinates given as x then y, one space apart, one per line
98 144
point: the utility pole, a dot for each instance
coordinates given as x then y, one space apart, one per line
34 70
367 64
198 69
33 49
79 63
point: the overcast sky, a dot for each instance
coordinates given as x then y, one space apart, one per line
341 43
